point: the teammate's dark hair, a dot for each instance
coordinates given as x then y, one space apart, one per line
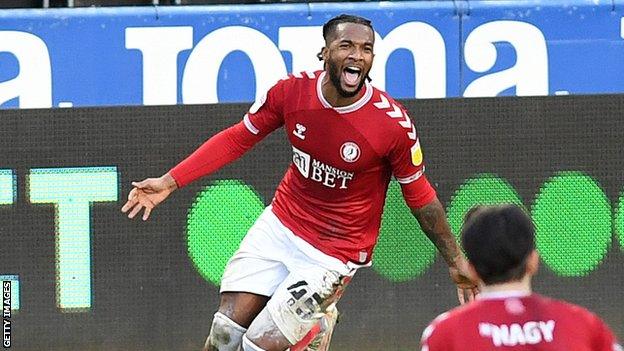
497 241
330 26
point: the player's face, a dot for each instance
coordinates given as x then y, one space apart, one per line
349 57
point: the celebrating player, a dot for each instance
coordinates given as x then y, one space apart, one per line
348 138
499 244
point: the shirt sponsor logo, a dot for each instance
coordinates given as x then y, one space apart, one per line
350 152
529 333
320 172
302 161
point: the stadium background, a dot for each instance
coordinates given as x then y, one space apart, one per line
89 279
149 292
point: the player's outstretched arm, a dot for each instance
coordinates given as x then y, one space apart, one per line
432 220
147 194
221 149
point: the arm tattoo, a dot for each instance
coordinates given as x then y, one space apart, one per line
433 222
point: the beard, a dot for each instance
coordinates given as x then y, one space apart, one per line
334 77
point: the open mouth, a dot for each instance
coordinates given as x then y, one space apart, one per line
351 76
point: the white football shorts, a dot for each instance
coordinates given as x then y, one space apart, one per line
301 280
269 253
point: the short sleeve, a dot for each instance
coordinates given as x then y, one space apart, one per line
406 160
266 113
604 339
433 336
406 156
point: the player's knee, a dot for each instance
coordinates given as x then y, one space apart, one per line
295 309
248 345
225 334
265 334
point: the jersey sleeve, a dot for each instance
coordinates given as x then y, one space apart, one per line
434 336
604 339
406 160
264 116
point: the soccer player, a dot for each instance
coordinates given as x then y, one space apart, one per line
507 315
348 138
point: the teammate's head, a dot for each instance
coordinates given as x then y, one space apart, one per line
348 52
499 242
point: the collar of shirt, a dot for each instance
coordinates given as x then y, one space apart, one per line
492 295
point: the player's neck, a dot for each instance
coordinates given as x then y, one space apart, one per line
523 285
331 95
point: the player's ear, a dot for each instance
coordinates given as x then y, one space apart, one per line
322 55
532 264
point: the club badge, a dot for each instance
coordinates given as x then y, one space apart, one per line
350 152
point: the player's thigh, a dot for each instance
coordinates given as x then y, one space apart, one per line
246 286
259 264
253 275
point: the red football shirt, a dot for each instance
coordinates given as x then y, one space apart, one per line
333 193
518 322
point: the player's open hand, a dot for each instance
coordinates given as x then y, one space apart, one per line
147 194
467 287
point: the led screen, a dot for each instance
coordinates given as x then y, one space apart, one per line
84 277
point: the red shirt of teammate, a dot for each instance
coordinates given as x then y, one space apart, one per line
517 321
333 193
499 244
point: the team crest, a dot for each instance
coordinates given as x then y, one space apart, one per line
350 152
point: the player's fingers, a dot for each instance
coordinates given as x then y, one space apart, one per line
475 292
147 212
133 193
146 184
471 295
142 184
135 210
128 205
460 296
